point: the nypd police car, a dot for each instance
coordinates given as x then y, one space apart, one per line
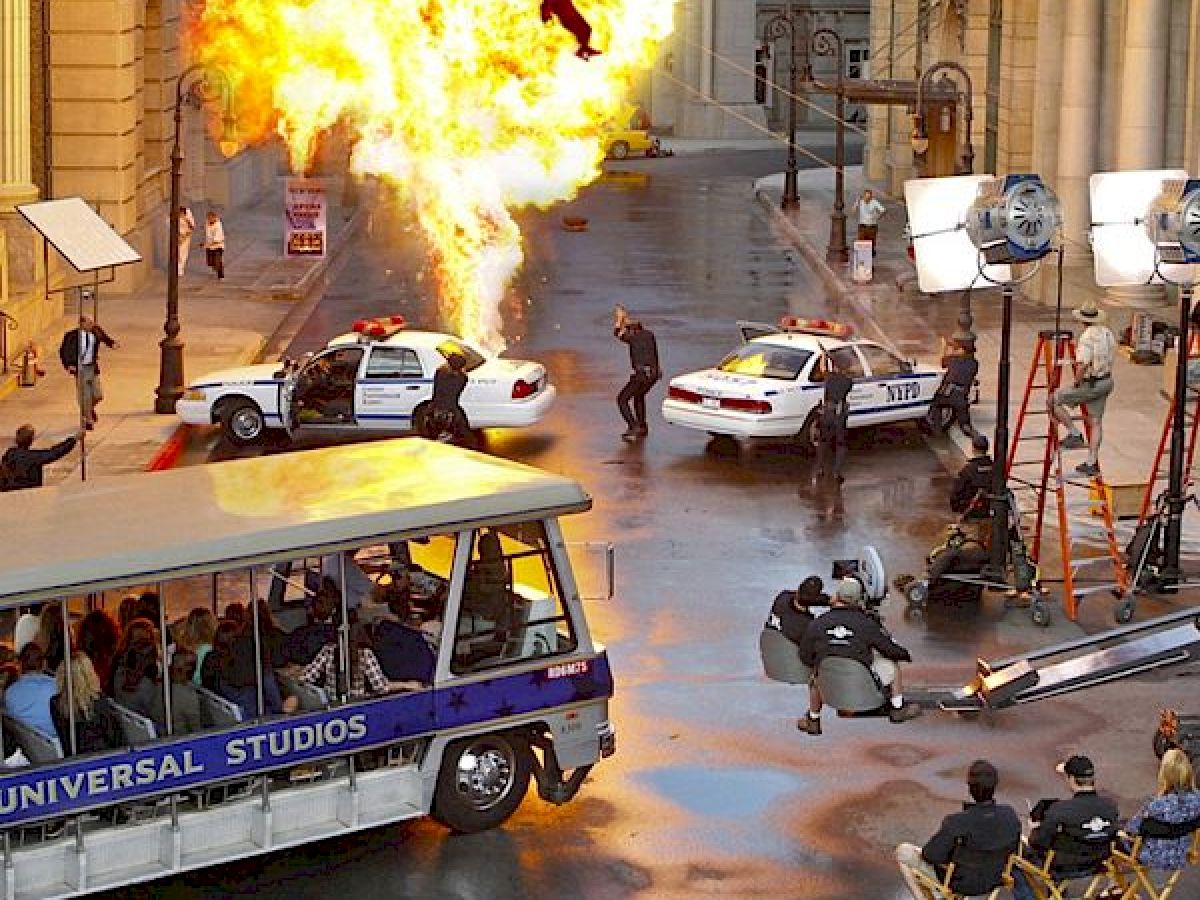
377 378
771 385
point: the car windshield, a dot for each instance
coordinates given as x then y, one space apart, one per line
766 361
473 357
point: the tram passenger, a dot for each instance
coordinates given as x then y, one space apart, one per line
185 701
485 593
197 634
137 682
273 638
96 725
50 634
98 635
230 671
366 675
306 641
135 631
28 698
404 652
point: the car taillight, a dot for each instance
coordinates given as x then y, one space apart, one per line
742 404
678 393
522 389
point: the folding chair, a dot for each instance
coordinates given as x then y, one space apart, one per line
1092 850
1135 879
941 890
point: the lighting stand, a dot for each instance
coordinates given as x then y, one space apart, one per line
1000 502
1172 574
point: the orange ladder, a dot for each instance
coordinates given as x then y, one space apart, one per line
1054 351
1164 439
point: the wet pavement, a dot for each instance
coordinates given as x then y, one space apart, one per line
713 792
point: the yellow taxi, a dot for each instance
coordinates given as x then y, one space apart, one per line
629 135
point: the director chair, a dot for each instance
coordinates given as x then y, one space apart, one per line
1090 852
940 889
1137 881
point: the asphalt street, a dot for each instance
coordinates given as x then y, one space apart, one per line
713 791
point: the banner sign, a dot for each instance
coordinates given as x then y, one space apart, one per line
304 223
72 786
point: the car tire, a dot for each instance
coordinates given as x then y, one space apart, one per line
242 422
618 150
419 419
809 436
482 781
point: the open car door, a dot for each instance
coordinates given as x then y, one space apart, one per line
287 399
751 330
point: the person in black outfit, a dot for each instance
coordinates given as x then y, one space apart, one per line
847 631
445 411
22 465
1086 822
791 614
835 419
954 393
978 840
404 653
643 358
973 483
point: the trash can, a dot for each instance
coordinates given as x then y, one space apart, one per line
861 262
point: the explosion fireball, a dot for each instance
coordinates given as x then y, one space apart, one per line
472 108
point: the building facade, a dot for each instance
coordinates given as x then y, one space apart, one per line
87 94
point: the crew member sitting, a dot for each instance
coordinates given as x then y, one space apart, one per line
791 614
978 841
847 631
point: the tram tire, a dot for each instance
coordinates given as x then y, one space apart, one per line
460 802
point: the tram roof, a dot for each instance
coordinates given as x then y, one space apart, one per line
133 529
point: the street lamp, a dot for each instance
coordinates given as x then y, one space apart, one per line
209 85
778 26
1146 230
965 165
827 42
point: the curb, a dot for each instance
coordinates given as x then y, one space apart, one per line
171 449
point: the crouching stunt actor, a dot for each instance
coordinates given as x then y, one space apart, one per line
847 631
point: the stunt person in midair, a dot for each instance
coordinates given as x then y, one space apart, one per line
571 19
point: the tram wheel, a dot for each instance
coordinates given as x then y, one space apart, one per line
482 781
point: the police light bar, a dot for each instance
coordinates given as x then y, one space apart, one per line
379 326
822 327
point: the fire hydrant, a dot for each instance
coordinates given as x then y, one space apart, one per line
30 370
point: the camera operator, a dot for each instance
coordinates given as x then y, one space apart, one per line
791 614
848 631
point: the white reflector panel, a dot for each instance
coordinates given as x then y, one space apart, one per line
1121 246
946 258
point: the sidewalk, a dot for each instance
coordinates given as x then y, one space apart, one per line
224 323
893 311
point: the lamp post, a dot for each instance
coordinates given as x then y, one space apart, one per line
965 165
780 25
203 88
827 42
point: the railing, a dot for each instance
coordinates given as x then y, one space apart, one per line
7 324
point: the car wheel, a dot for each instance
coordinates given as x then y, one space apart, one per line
243 422
482 781
810 434
619 150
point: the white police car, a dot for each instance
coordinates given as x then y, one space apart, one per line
377 378
771 385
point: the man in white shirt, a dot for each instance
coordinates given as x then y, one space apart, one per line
186 224
1094 354
80 356
214 244
869 212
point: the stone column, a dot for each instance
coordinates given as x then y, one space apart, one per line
1142 119
16 172
1079 113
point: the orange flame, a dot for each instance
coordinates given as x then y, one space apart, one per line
472 108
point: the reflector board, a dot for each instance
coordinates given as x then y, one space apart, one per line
74 229
937 212
1121 245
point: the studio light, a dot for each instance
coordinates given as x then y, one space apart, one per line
1122 249
946 258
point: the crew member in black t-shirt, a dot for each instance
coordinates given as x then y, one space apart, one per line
954 393
973 483
643 359
835 421
786 625
449 382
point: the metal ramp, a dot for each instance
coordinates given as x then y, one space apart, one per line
1157 644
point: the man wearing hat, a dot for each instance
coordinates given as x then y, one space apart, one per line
1094 355
1089 819
847 631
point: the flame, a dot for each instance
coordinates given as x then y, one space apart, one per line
471 108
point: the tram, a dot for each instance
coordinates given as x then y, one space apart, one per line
516 688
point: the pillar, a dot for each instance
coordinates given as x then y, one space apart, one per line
1142 117
1079 114
16 164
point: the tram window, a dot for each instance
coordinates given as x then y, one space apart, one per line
512 606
